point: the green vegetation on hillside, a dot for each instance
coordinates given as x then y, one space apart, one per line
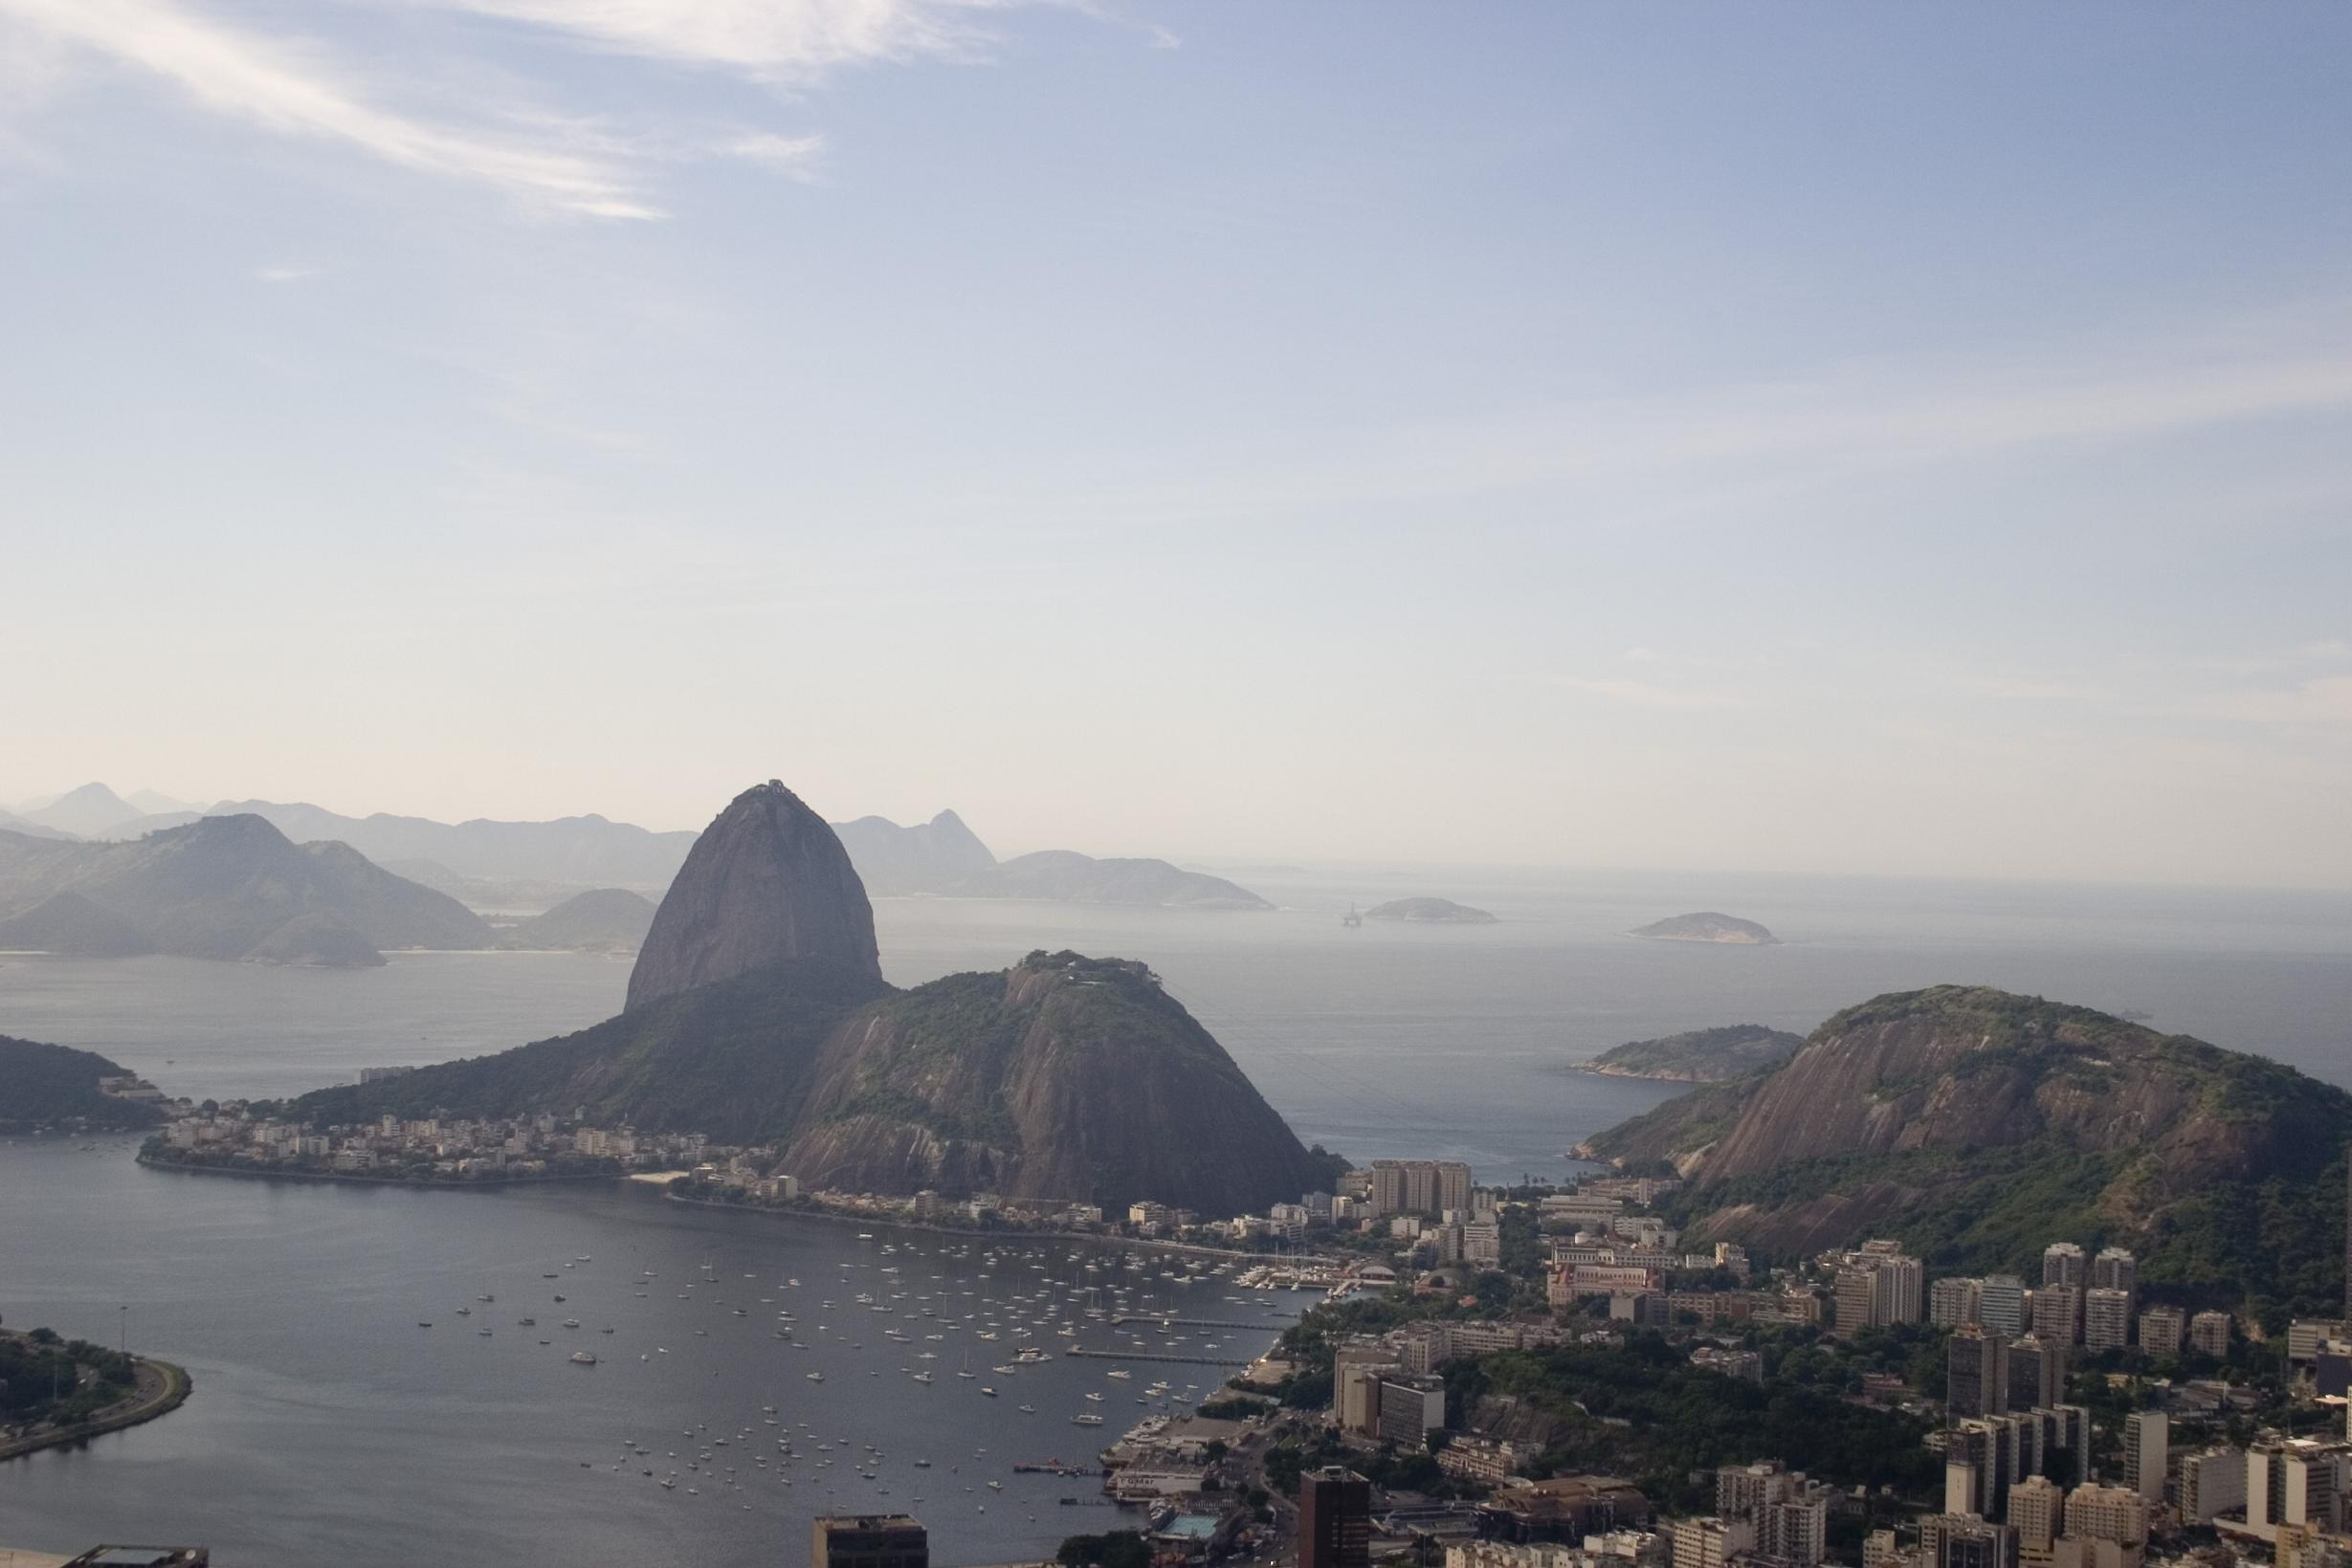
48 1086
1648 1144
1999 1123
1066 1078
734 1059
1715 1055
1642 1411
952 1025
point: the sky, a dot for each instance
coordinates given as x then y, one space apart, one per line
1822 437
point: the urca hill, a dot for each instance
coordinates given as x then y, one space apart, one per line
1975 1124
758 1012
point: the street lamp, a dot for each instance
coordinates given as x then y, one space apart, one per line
122 1319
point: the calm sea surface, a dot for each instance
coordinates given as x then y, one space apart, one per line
327 1425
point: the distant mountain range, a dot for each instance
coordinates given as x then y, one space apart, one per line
1066 876
894 861
758 1012
521 865
600 920
944 857
229 887
12 823
236 887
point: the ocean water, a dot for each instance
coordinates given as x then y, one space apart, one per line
327 1426
1427 1041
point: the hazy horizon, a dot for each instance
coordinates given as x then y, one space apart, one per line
1827 440
1241 863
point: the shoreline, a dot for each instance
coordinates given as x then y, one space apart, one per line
1097 1237
835 1215
177 1385
392 1182
1597 1070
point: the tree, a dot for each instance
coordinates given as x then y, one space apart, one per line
1120 1548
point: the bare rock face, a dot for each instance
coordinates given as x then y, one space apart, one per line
767 883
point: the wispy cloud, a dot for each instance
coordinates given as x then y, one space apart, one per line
795 156
781 40
569 164
2324 702
291 92
1727 445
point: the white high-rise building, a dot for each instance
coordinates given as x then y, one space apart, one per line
2148 1454
2294 1480
2035 1506
2209 1483
2001 1305
2106 1318
2162 1330
2058 1313
1954 1301
1711 1542
2107 1514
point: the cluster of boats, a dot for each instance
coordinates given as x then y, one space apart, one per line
988 1315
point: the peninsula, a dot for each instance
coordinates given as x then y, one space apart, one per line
44 1087
1698 1056
55 1391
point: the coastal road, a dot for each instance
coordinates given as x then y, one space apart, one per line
158 1388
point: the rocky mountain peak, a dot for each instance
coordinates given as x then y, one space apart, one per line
767 883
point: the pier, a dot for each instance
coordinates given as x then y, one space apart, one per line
1151 1355
1270 1321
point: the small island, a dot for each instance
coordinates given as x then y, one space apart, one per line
1698 1056
1430 912
1707 926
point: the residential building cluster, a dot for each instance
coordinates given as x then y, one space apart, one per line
1386 1387
456 1148
2086 1300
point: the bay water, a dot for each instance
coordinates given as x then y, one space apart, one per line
327 1426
